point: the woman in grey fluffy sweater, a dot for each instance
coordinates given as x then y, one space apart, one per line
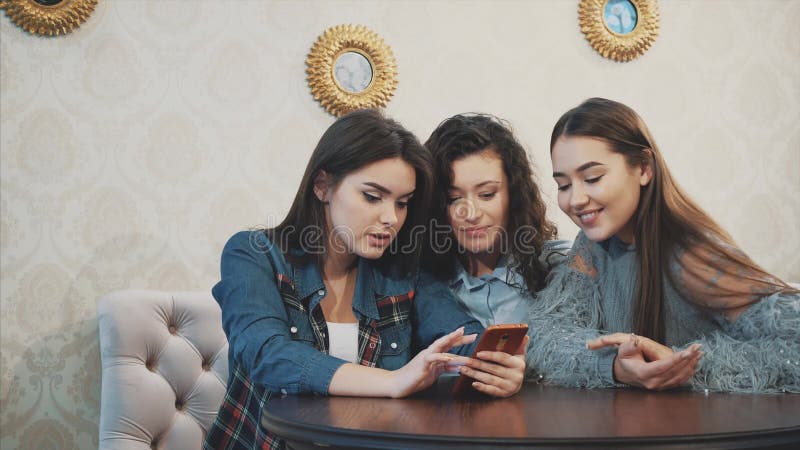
654 293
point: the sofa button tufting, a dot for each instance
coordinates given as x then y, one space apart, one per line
173 329
206 366
178 405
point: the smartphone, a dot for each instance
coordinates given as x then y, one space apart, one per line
505 337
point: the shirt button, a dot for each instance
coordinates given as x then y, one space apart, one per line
393 345
293 330
321 292
371 345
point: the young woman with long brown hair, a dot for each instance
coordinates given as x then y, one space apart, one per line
683 304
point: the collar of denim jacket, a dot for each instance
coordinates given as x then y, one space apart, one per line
364 295
308 281
371 286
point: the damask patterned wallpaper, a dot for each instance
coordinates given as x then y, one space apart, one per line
133 147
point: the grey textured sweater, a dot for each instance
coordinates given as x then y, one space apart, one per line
758 352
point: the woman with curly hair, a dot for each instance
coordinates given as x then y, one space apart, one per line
491 239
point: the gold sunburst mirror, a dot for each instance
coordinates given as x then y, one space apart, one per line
619 29
48 17
349 68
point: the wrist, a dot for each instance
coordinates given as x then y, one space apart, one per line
362 381
606 359
390 383
620 373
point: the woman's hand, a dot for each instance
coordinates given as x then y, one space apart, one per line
497 373
423 370
653 351
647 364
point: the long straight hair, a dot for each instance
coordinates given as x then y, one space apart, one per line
467 134
666 219
353 141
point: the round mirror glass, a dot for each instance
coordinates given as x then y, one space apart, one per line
620 16
352 71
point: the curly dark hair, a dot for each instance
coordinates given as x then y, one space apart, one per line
466 134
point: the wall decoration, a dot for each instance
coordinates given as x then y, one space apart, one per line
619 29
48 17
349 68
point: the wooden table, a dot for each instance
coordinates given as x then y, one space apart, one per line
542 417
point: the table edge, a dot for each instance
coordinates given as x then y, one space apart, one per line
334 436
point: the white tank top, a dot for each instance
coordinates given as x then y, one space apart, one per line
343 341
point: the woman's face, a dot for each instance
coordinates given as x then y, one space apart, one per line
597 188
478 202
367 208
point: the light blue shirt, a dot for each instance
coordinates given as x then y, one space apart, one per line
502 296
497 297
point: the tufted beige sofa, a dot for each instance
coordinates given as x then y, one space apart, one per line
165 365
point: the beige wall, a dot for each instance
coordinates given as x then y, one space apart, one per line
132 148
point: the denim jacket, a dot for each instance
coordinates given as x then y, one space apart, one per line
278 339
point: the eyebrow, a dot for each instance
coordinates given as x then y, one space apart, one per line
479 185
579 169
385 190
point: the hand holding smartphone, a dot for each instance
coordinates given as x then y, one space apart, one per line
505 337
